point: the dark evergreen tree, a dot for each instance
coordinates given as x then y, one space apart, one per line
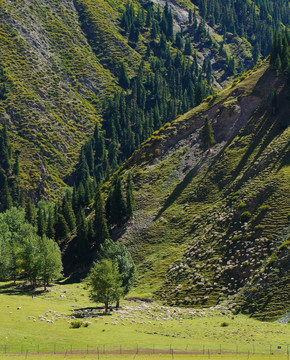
60 227
130 196
82 238
5 197
118 204
41 223
100 222
124 80
67 211
207 133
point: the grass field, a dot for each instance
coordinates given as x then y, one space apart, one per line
147 357
42 325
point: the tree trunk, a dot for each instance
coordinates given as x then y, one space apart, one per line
118 304
106 307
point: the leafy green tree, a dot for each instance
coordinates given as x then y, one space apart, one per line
50 261
118 251
29 254
105 282
207 133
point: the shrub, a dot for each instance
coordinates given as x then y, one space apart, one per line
264 208
245 216
75 324
259 227
242 205
224 324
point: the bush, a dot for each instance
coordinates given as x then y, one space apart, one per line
259 227
242 205
264 208
224 324
245 216
75 324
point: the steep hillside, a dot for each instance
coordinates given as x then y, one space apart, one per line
55 85
61 59
214 223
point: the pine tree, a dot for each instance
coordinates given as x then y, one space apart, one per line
16 167
67 211
100 222
50 232
5 197
118 204
41 228
60 227
130 196
30 213
5 149
207 133
187 47
124 80
82 237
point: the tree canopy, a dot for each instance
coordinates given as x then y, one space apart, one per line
105 282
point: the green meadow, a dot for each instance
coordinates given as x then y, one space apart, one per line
43 324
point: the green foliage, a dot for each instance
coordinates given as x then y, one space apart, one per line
245 216
76 324
242 205
118 251
105 282
100 225
23 253
117 204
131 205
207 133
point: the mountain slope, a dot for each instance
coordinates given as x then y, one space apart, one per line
209 223
62 58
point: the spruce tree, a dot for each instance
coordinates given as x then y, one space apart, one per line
124 80
130 196
60 227
5 197
118 204
41 226
207 133
67 212
100 222
82 237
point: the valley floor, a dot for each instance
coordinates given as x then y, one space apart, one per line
42 325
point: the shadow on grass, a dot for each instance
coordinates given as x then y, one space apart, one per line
20 289
91 312
179 188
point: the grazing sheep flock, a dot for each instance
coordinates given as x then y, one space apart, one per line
140 313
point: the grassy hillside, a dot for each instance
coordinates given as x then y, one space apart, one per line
62 58
209 223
